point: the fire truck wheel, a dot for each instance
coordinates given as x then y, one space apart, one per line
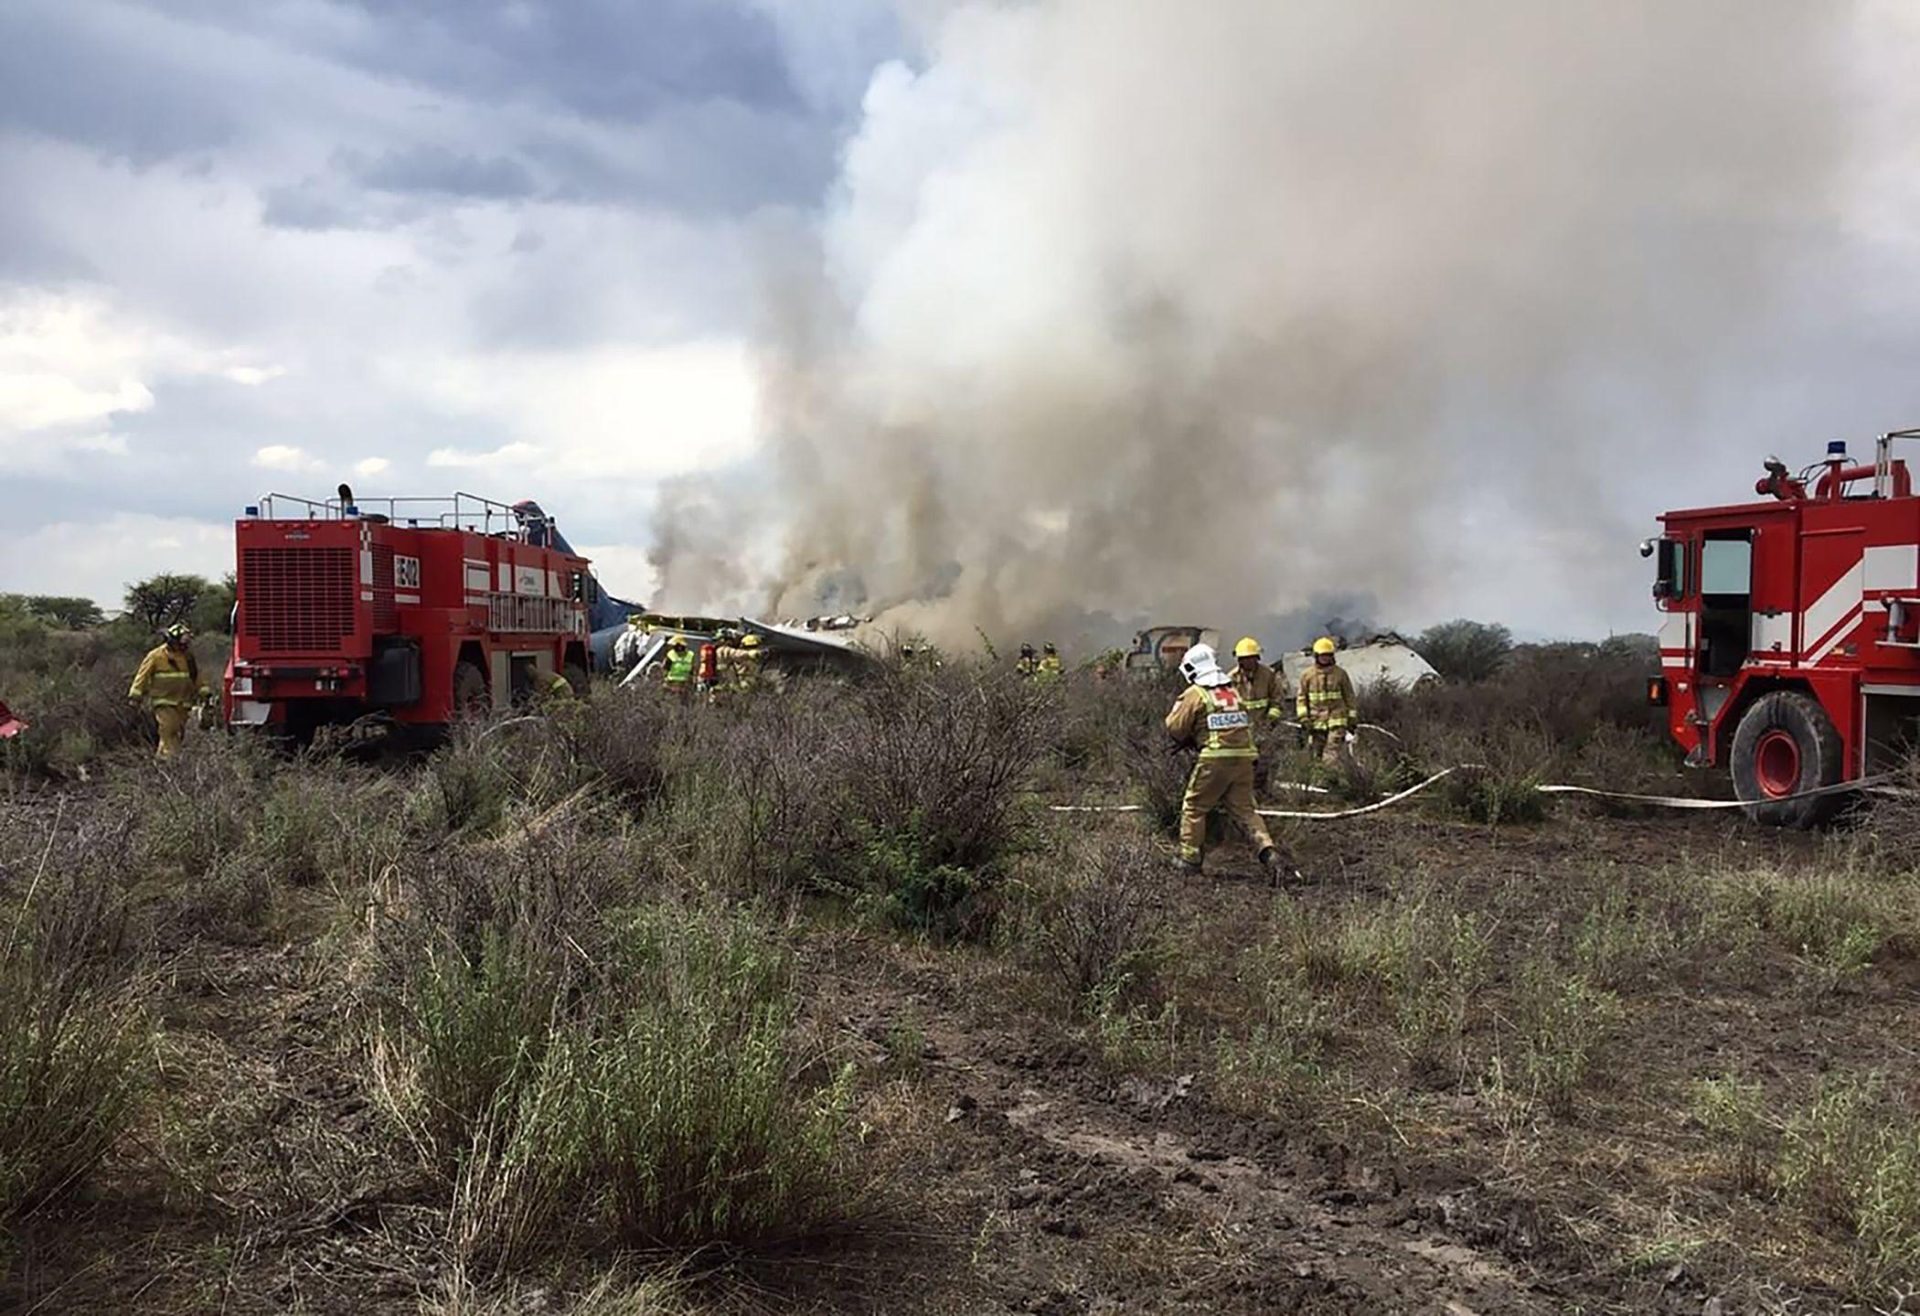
470 695
1786 745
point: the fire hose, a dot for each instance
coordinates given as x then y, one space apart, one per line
1875 784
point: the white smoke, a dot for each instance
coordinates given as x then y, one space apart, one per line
1207 310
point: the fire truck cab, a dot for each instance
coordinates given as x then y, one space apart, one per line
407 612
1790 650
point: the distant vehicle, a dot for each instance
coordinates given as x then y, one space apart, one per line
1160 648
406 611
1790 653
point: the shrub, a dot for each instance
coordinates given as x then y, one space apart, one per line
1154 767
74 1038
1465 650
1103 921
568 1068
200 807
475 956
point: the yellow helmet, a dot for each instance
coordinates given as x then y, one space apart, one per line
1324 644
677 642
750 642
1247 648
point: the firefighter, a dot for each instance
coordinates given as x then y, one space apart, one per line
1050 671
1029 665
1326 707
556 689
1208 715
169 681
1262 693
677 668
739 665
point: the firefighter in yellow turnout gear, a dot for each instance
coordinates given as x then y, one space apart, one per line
1263 693
1326 707
1209 715
1050 670
740 665
169 681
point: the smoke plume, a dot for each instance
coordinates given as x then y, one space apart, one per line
1212 310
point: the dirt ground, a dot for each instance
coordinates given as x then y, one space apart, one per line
1023 1168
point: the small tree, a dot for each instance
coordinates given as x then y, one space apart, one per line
159 601
75 614
1464 650
213 613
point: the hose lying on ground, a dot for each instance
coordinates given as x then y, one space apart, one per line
1875 784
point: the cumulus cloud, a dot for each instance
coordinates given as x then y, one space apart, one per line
511 238
283 457
507 454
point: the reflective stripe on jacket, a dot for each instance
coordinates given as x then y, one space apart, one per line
168 678
1326 700
740 665
1261 694
1215 720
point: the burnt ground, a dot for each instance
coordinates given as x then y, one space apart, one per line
1026 1161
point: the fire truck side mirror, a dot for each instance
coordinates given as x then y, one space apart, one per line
1647 547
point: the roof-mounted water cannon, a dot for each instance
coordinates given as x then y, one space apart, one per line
1831 476
1778 482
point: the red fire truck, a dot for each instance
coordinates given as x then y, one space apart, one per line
1790 652
405 611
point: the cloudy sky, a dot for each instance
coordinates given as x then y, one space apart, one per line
414 244
1466 301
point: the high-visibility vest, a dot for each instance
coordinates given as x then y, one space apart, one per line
1229 727
679 666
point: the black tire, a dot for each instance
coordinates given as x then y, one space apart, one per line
576 677
1786 745
471 697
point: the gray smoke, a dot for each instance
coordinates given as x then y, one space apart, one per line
1208 311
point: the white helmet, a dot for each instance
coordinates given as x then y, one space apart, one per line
1202 668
